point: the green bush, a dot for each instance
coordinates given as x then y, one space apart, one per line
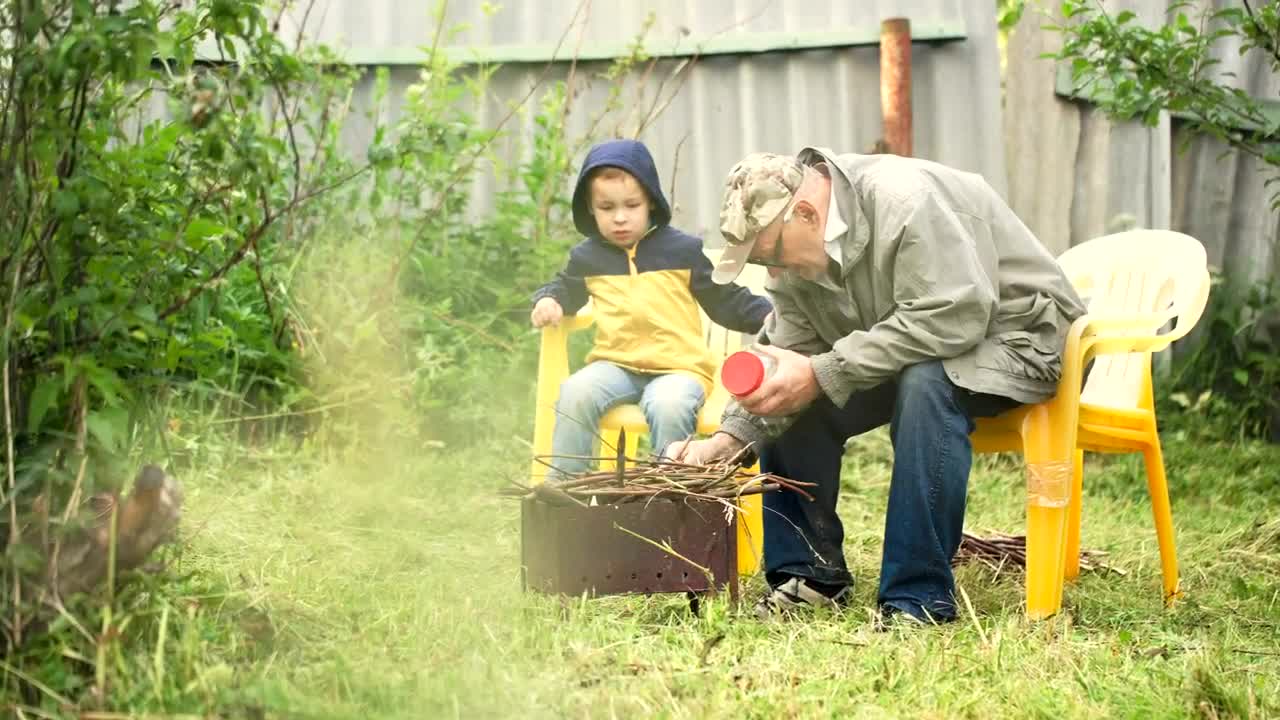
142 253
1227 385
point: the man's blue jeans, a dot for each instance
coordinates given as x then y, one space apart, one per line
670 403
930 420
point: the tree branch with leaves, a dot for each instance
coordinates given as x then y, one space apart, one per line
1136 72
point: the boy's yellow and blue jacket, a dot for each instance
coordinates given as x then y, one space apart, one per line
645 299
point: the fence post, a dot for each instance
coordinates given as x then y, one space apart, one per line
895 84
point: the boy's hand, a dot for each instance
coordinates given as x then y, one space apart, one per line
546 312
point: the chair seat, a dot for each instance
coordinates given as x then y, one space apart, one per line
1002 433
631 418
1111 430
1122 419
1102 429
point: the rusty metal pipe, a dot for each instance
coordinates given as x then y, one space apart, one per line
895 84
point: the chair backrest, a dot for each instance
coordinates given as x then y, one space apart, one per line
1141 280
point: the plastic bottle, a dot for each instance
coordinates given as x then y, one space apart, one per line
746 370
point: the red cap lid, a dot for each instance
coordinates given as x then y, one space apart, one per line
742 373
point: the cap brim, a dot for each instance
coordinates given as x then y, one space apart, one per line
732 261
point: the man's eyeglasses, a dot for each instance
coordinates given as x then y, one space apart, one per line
775 260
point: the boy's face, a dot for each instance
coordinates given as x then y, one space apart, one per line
621 209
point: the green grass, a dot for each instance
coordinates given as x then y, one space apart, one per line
317 582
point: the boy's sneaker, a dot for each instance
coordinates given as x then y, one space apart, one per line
798 594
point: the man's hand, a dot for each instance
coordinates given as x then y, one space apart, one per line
546 312
720 446
791 387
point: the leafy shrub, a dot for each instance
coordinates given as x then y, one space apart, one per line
138 251
1228 382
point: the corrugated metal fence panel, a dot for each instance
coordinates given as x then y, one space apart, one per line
1081 175
730 104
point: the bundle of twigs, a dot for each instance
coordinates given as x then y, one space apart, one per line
643 480
1000 551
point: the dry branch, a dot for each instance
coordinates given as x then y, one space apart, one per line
1000 551
643 480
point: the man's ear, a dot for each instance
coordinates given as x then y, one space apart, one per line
806 211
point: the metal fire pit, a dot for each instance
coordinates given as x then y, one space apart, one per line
569 550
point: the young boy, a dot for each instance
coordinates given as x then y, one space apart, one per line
646 280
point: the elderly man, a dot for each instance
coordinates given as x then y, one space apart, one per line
905 293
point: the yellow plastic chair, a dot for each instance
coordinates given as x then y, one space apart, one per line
1135 283
553 369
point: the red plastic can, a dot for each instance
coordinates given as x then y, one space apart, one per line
744 371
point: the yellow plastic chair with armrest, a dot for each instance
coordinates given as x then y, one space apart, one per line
1134 283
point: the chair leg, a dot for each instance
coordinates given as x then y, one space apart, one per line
1046 537
633 446
608 450
1071 563
1158 487
553 368
1049 455
751 535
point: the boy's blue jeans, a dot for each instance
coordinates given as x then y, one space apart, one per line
930 420
670 403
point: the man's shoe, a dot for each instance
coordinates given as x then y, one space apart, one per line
796 594
891 617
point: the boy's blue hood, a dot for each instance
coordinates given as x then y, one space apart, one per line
629 155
